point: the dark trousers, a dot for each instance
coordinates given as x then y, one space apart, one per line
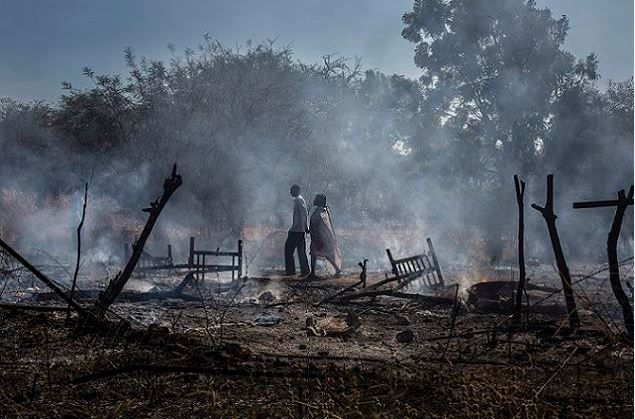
295 240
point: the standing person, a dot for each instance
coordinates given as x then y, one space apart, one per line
295 239
323 243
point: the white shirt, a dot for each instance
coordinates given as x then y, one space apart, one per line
300 215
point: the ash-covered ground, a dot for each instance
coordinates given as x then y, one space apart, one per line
276 346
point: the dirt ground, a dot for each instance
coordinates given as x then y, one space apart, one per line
266 347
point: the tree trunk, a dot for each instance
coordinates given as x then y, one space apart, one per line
520 192
563 269
115 286
52 285
79 247
614 266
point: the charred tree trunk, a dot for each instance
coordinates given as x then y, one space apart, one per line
614 266
563 269
52 285
520 194
79 246
115 286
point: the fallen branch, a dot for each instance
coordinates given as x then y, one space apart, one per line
175 369
426 299
343 291
364 294
32 307
323 358
52 285
556 372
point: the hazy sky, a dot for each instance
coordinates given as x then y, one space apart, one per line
43 43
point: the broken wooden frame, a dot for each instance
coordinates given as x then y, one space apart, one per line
423 267
149 262
199 261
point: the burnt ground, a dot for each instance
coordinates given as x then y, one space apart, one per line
217 354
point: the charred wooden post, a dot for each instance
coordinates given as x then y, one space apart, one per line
622 202
240 259
363 275
52 285
395 271
170 253
108 296
561 262
437 267
520 194
79 247
614 265
600 204
190 259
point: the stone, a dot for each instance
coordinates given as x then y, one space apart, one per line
402 320
405 336
268 319
266 297
352 320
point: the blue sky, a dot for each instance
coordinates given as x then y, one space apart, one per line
45 42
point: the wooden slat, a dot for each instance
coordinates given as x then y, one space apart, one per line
436 261
422 264
215 253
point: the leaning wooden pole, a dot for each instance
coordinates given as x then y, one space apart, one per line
520 194
561 262
614 265
108 296
79 246
52 285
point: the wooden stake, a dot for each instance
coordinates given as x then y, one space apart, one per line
621 203
561 262
614 265
79 246
520 193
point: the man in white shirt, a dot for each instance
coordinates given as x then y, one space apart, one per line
295 239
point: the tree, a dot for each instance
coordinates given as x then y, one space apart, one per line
492 68
96 119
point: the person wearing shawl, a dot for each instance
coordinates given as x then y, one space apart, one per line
323 243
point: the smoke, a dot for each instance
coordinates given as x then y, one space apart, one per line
243 126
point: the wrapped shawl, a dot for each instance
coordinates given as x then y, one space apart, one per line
323 243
